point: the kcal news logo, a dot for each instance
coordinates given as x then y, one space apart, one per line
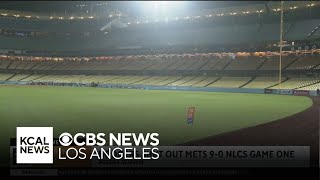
34 145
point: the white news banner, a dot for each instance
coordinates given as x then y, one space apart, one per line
186 156
215 156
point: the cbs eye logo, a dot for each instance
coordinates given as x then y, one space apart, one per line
65 139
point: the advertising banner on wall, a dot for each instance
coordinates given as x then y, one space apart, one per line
301 92
268 91
286 91
313 93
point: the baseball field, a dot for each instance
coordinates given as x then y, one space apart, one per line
71 109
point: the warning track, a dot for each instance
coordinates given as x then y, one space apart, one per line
301 129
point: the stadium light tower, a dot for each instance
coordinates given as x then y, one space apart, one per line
280 59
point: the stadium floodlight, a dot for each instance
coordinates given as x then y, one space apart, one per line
162 9
161 4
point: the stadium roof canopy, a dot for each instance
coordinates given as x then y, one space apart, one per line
144 11
77 6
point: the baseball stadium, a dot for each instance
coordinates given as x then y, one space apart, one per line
250 70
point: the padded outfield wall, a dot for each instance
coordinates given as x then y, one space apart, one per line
185 88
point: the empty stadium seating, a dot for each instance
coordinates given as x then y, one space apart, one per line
193 63
273 63
263 82
4 77
150 37
180 82
4 64
301 29
194 81
18 77
188 81
295 83
194 71
230 82
311 87
305 63
250 63
205 82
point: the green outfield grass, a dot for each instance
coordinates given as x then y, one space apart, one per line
70 109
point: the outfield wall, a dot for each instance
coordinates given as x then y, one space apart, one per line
184 88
